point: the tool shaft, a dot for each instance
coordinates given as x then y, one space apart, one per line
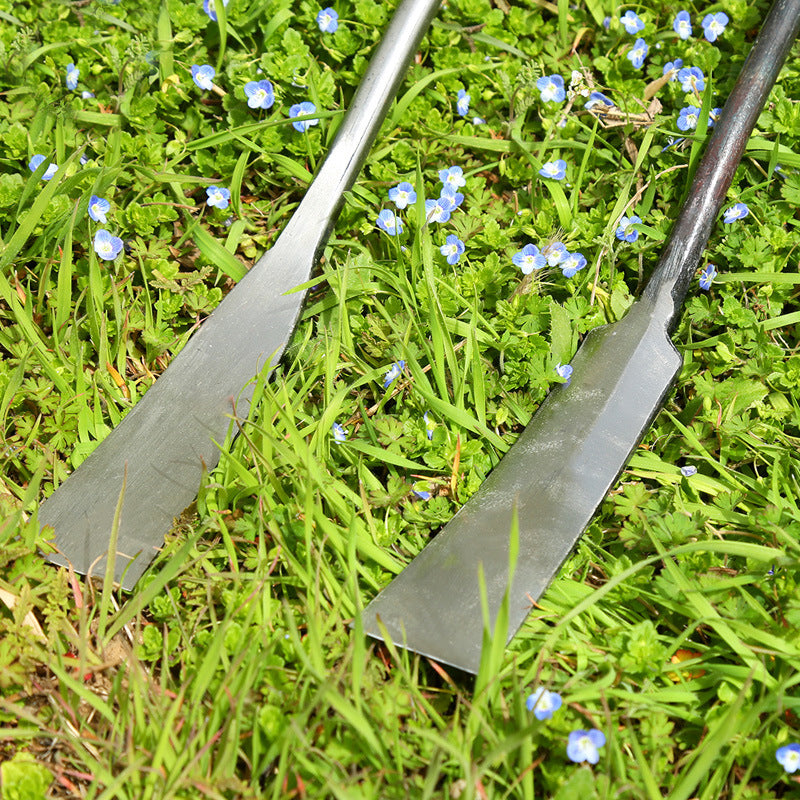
681 254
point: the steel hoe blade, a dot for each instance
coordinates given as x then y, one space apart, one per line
572 451
159 450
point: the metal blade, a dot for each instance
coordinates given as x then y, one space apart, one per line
174 431
555 475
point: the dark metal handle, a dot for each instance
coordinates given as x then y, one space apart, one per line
676 267
323 200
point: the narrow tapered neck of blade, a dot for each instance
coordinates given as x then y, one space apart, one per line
319 209
676 267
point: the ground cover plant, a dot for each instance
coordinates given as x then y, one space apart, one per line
516 197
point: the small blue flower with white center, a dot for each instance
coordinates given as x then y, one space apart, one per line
551 88
452 178
87 95
328 20
714 25
478 121
688 471
455 198
691 79
452 249
707 277
688 118
98 208
107 246
218 196
735 212
672 68
631 22
208 7
439 210
682 24
36 162
554 170
339 433
543 703
597 99
789 757
564 371
528 259
571 263
260 94
585 746
462 103
430 425
73 73
555 253
301 110
403 194
626 232
638 53
203 76
390 223
395 371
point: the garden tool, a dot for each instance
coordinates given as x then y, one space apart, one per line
497 555
151 465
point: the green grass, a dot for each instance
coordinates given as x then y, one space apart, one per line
238 668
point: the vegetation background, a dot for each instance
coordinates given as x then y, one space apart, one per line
231 671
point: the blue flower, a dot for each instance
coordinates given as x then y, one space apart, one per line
551 88
631 22
218 196
626 232
452 178
301 109
107 246
736 211
403 194
543 703
638 53
260 94
208 7
555 170
688 118
692 79
73 73
564 371
682 24
422 494
585 745
98 208
714 24
87 95
571 263
389 222
596 99
478 121
789 757
462 102
455 198
673 67
688 471
439 210
555 253
328 20
707 276
203 76
452 249
339 433
528 259
395 371
430 425
49 172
